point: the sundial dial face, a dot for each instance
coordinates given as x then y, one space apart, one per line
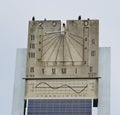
60 53
57 46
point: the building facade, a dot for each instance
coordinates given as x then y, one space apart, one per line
62 76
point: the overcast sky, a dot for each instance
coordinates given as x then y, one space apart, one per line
14 17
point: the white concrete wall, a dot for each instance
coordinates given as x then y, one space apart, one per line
19 83
104 82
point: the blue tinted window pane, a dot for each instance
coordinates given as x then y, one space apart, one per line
59 107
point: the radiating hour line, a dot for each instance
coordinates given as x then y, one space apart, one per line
75 48
75 40
63 49
53 49
58 49
48 48
76 36
68 48
49 37
48 42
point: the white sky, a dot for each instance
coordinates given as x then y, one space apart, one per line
14 17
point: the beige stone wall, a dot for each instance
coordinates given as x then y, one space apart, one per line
68 51
62 88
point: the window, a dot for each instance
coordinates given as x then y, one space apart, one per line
91 69
93 41
40 36
32 46
39 42
38 60
32 37
39 49
63 70
85 39
75 70
93 53
29 54
32 69
31 75
53 71
32 55
43 71
95 102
